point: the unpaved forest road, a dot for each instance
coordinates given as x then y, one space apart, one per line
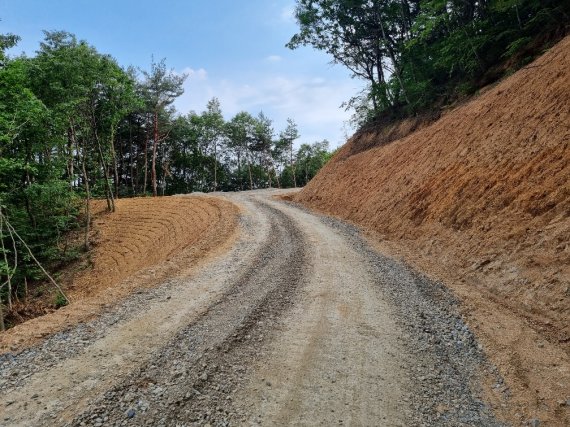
300 323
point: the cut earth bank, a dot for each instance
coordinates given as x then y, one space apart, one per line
480 199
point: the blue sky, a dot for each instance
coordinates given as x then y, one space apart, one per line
233 50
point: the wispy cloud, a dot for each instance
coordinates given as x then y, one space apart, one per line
199 74
274 58
288 14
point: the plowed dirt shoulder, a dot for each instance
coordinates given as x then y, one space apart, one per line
145 241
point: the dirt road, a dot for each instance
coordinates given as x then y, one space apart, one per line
301 323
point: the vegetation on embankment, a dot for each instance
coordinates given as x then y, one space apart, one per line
417 55
481 199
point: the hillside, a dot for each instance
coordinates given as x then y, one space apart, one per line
144 242
481 200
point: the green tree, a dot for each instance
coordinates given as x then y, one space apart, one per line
160 88
288 136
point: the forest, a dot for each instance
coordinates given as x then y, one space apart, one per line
420 55
75 125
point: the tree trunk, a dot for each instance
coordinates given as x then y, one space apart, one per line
115 167
250 177
397 69
2 326
239 170
132 165
215 165
108 190
70 156
154 149
145 162
291 164
5 254
87 203
87 193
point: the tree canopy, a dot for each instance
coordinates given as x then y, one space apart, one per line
417 54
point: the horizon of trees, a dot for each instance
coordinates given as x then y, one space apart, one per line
74 125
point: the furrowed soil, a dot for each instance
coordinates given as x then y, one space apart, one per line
481 200
145 241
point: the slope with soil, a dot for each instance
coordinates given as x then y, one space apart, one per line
481 199
138 246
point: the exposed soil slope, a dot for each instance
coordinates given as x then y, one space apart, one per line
144 241
481 199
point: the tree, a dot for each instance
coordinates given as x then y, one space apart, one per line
240 134
213 132
289 135
416 54
160 89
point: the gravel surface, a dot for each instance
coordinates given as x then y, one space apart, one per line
446 361
301 322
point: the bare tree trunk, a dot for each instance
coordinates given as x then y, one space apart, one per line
115 167
215 165
108 190
87 204
5 254
239 170
145 162
70 156
87 194
154 149
2 326
397 69
291 163
132 165
250 177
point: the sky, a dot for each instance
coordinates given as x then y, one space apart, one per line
232 50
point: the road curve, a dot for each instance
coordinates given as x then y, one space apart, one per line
300 323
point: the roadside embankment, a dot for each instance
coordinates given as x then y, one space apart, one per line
140 245
481 200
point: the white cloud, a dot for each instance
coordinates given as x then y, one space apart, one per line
199 74
274 58
288 14
313 102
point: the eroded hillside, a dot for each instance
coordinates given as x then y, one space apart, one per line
481 199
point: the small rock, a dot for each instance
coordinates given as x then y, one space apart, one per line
131 413
535 422
204 377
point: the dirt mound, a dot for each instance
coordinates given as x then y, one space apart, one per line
481 199
145 241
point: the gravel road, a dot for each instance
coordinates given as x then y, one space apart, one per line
300 323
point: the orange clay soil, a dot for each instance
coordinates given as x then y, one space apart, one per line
140 245
481 200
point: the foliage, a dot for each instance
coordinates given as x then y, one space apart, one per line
417 54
